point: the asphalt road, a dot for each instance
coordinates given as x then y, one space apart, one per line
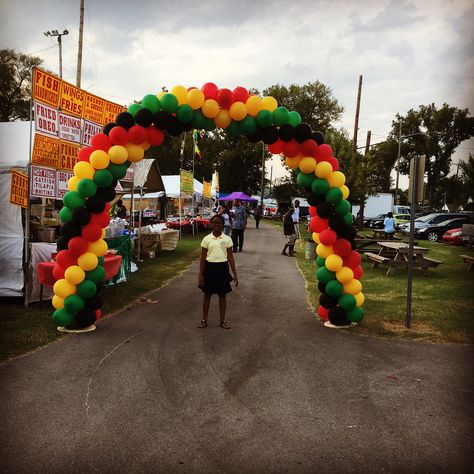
278 393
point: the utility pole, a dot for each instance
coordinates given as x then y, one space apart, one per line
59 35
263 175
398 160
362 203
356 124
79 51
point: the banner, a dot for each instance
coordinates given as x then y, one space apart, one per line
72 99
46 88
19 189
67 156
111 111
43 182
93 108
69 128
206 189
45 151
62 177
88 131
186 182
46 119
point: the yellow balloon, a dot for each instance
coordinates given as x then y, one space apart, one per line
181 94
72 183
104 233
307 164
344 275
99 159
88 261
269 103
99 247
360 298
118 154
210 108
336 179
63 288
223 119
58 302
293 163
74 274
82 169
323 169
345 191
134 152
145 146
324 251
316 237
333 262
195 98
238 111
353 287
254 105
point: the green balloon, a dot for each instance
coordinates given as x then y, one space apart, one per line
324 275
134 108
73 200
169 103
118 171
73 304
347 302
233 129
319 186
65 214
151 102
185 113
280 116
87 187
334 289
199 120
334 195
264 118
100 261
342 207
294 118
247 126
103 178
86 289
356 315
62 317
305 180
209 124
347 218
97 275
320 261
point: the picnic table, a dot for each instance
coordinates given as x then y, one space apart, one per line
396 254
381 234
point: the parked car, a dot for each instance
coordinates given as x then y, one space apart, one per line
401 219
375 222
430 219
435 232
453 236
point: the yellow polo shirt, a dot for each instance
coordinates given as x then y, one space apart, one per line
216 247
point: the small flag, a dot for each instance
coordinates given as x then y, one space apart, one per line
197 151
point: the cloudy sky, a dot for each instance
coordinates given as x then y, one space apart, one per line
409 52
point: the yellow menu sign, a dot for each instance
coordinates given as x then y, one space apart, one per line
45 151
68 156
72 99
111 111
19 189
46 88
186 182
206 189
93 108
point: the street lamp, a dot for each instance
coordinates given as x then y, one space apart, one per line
59 35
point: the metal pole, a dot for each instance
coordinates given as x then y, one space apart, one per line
398 160
356 124
79 50
60 57
263 174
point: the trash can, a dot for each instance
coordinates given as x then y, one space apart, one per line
310 250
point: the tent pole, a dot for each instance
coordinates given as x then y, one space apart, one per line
139 225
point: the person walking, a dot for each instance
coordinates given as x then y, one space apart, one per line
239 225
389 225
289 233
225 213
214 275
296 218
121 210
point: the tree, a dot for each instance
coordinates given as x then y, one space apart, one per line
435 133
15 84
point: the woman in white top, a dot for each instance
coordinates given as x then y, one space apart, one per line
225 213
389 225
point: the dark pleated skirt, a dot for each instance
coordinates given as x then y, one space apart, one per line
217 278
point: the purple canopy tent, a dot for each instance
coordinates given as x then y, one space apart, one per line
238 195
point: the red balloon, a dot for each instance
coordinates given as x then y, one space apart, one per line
102 219
358 272
342 247
91 232
98 313
210 90
352 260
101 141
241 94
312 211
317 224
78 246
225 98
118 136
334 163
85 154
277 147
323 313
107 207
58 271
137 134
308 147
155 136
323 152
291 148
327 237
65 259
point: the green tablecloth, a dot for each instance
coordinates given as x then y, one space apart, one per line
123 246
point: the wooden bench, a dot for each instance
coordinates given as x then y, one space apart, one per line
470 260
432 262
377 259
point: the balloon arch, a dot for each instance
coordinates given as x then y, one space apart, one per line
78 266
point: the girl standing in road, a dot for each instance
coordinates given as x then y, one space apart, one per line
214 275
389 225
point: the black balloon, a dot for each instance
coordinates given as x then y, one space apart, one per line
286 132
144 117
95 204
325 210
338 316
81 216
162 120
313 199
84 318
186 127
303 132
125 120
337 223
327 301
70 229
322 287
62 243
318 137
269 135
347 232
174 127
109 127
95 302
108 194
114 183
256 136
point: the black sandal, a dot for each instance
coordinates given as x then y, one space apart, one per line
202 324
224 325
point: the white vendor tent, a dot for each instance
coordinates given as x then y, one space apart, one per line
172 187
